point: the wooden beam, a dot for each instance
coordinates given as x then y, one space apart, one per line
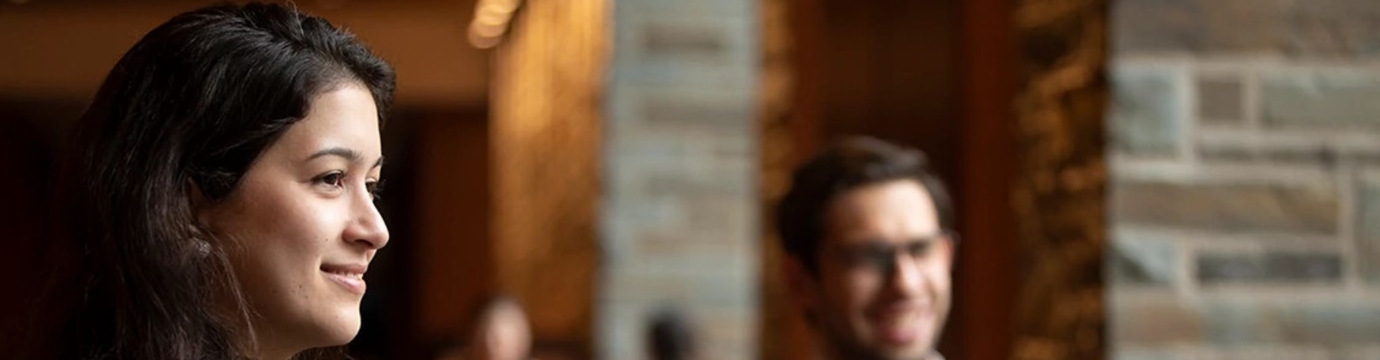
986 274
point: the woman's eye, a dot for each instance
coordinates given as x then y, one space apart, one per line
335 179
375 188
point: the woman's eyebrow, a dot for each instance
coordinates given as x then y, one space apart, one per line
348 154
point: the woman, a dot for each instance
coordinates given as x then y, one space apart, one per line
219 201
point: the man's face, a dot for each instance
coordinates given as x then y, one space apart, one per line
882 290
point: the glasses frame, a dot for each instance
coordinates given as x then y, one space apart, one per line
879 258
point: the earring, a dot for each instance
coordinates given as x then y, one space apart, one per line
203 247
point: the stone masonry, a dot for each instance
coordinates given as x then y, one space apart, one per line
1244 148
679 224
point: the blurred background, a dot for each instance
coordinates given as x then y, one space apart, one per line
1135 179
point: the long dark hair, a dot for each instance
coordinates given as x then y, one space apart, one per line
189 107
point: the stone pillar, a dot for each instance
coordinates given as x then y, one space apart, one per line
679 226
1059 190
1244 192
546 133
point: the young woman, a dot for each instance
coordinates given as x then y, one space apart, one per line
219 199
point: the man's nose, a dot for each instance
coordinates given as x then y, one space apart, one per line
905 273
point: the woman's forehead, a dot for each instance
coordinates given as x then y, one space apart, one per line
344 117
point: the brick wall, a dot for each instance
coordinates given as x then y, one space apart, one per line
680 224
1244 146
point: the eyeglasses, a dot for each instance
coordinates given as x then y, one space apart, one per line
881 257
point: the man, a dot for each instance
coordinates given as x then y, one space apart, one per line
868 235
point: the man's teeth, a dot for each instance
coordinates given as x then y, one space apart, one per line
902 321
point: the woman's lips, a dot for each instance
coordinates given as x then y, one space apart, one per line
351 277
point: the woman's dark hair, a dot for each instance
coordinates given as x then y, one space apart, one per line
188 108
849 164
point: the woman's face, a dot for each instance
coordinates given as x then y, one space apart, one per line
302 227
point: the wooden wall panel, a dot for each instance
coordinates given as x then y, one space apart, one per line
546 136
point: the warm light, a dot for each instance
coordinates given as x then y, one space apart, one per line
331 4
487 30
490 18
491 22
482 42
504 7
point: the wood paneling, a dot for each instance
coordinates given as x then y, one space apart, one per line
939 76
986 274
546 138
63 49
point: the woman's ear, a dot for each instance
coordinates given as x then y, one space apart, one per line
198 202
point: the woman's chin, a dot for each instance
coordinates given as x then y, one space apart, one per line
341 329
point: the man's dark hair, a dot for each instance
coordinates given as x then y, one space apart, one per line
849 164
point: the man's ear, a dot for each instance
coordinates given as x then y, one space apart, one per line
802 284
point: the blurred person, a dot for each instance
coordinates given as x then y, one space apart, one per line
498 330
671 337
219 199
867 230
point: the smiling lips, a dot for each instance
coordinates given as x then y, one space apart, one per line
351 277
902 325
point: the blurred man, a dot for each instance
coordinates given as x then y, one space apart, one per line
868 235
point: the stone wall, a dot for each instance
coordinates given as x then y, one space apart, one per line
679 223
1245 179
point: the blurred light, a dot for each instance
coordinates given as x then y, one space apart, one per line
482 42
498 7
20 2
492 18
503 6
486 30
